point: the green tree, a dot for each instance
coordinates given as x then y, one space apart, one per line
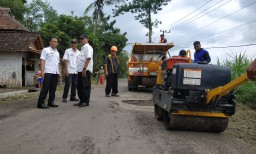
17 7
98 14
65 29
39 12
143 11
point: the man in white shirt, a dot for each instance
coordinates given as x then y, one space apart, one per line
50 69
71 57
84 69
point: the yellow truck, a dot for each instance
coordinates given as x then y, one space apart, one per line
145 60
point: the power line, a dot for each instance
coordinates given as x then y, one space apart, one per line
218 19
231 46
229 29
191 13
180 25
188 14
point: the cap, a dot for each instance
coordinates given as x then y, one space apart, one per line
114 48
196 42
83 36
162 35
182 53
73 41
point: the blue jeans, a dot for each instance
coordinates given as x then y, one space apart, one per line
71 79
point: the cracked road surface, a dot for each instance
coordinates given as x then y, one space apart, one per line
107 126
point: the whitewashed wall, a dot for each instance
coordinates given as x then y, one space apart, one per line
11 69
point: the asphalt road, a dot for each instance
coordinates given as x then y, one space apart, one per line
107 126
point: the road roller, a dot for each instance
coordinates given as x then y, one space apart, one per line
195 96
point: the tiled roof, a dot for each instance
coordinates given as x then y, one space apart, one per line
7 22
20 41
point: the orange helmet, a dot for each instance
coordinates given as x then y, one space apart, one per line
114 48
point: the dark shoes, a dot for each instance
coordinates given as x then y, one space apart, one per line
64 100
77 104
83 105
73 99
42 106
115 95
52 105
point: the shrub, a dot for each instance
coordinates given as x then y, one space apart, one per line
238 64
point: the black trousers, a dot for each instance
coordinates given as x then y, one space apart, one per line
112 84
84 87
49 85
70 80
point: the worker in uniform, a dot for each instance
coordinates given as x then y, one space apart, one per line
200 55
251 71
84 69
162 39
70 57
51 71
111 72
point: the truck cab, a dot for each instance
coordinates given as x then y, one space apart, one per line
144 62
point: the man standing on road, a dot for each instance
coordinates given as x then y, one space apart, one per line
84 69
200 55
111 72
50 69
70 57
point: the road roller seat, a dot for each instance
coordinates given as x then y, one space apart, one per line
176 59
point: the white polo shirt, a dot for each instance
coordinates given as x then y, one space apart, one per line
72 57
52 60
86 52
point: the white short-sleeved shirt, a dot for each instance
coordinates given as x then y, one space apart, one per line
86 52
52 60
72 57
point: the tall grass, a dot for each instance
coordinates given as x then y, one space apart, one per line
238 64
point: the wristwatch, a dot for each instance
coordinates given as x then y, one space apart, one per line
84 68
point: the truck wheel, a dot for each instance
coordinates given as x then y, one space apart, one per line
158 113
166 120
129 86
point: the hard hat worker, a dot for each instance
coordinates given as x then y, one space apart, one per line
111 72
200 55
162 39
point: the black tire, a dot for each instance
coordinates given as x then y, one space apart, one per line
158 113
129 86
166 120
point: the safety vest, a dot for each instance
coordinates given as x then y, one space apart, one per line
111 62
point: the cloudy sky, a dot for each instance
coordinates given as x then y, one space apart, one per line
215 23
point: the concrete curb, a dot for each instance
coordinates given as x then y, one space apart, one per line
14 93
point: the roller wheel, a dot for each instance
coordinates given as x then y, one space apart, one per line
129 86
158 113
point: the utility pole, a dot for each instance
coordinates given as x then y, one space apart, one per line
165 31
